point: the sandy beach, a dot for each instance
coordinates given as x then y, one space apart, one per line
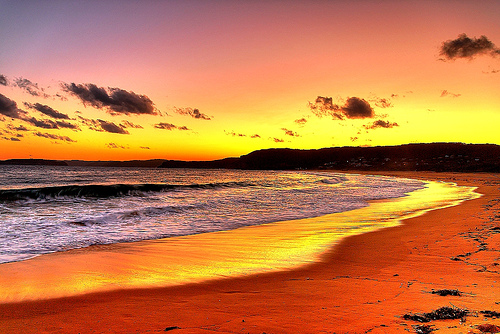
365 284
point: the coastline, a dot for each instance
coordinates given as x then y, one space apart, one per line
366 283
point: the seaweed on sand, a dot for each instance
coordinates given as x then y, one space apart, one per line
439 314
423 329
446 292
491 314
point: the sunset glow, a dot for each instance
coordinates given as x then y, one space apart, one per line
196 80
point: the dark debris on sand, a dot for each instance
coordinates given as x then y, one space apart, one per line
439 314
490 314
423 329
446 292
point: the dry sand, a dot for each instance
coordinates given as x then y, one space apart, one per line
363 285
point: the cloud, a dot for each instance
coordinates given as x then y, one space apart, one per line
301 121
103 126
255 136
9 108
466 47
112 127
20 128
67 125
165 126
42 123
11 138
380 124
113 145
353 139
3 80
446 93
115 100
144 147
45 109
126 124
30 87
170 126
357 108
195 113
381 102
277 140
353 108
290 133
56 137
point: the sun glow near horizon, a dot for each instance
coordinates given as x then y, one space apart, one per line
202 81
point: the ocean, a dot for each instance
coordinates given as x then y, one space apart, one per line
46 209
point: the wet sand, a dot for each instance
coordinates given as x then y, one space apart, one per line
364 284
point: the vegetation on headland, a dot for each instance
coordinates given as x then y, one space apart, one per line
439 157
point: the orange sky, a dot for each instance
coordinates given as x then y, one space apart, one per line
196 80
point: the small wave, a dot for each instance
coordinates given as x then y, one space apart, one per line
105 191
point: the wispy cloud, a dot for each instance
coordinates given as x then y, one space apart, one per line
113 146
290 132
46 110
380 124
445 93
195 113
55 137
30 87
170 126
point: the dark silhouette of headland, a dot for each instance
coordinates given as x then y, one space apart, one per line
439 157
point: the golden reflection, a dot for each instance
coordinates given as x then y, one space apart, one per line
180 260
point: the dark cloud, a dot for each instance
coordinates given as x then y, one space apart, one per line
3 80
255 136
466 47
144 147
301 121
11 138
20 128
42 123
126 124
112 127
445 93
234 134
357 108
195 113
277 140
103 126
380 124
353 108
9 108
67 125
56 137
45 109
290 133
165 126
170 126
115 100
30 87
113 145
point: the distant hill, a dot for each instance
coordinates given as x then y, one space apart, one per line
33 162
452 157
441 157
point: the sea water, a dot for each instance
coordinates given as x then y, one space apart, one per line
46 209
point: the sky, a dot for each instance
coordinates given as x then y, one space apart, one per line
203 80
